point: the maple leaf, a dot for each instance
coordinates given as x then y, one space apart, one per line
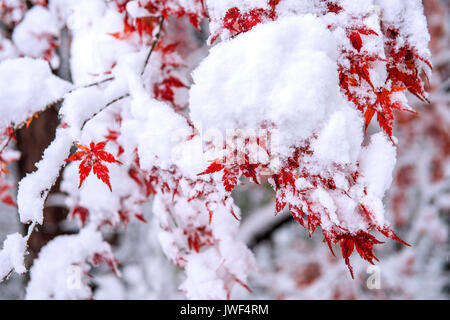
238 22
106 257
164 90
92 158
81 212
215 166
230 177
355 37
9 132
385 116
362 241
5 197
356 40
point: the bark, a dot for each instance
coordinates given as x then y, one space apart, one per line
32 142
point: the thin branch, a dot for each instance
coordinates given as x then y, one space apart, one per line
104 107
154 43
152 48
5 145
93 84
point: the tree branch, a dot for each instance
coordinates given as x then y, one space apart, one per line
154 43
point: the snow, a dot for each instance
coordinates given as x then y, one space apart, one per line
407 17
12 255
8 50
60 269
377 164
27 86
12 11
94 51
33 37
34 187
218 8
339 140
137 11
205 284
296 52
158 123
281 76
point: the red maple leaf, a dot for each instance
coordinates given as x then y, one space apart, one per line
232 173
5 197
81 212
385 116
215 166
334 7
362 241
355 37
164 90
92 158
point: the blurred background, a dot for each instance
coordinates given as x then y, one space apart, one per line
291 266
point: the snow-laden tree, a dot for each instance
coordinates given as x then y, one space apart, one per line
176 102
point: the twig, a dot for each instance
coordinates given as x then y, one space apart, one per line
104 107
93 84
5 145
152 48
154 43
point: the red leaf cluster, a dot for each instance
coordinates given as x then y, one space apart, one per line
198 237
157 9
361 241
239 22
402 71
106 257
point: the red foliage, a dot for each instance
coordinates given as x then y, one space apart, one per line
334 7
164 90
355 37
239 22
385 108
402 72
232 172
92 158
5 197
157 9
81 212
363 243
198 238
106 257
